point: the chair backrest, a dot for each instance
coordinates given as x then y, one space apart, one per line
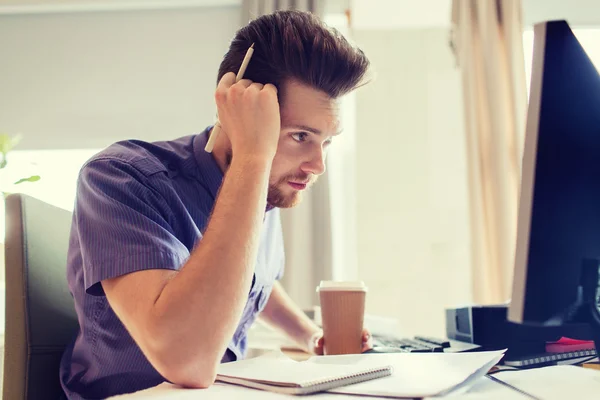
40 313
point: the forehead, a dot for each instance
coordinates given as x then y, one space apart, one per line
303 105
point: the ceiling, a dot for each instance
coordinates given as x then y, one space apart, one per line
366 14
46 6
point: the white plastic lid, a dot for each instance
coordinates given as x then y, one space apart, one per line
349 286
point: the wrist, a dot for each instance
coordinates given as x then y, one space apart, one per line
251 162
255 160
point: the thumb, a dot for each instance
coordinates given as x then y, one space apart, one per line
320 346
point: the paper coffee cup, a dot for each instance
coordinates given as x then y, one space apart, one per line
342 315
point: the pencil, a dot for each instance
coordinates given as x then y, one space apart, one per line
217 128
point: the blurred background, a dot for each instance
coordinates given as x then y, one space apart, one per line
420 196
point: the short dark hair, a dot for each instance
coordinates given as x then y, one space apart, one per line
297 45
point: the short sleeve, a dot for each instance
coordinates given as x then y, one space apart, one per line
122 224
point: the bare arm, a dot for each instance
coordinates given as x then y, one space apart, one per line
184 320
283 313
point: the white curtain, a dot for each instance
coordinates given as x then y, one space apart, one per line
319 233
488 44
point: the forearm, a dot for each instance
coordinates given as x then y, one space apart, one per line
283 313
204 301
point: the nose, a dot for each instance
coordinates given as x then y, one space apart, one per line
316 165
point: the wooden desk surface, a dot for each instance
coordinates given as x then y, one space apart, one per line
295 354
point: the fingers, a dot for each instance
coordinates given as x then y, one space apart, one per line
245 83
319 346
226 81
244 87
316 343
367 340
227 84
270 88
366 334
249 117
367 343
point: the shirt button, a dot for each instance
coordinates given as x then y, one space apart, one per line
172 169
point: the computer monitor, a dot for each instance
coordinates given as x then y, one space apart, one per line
558 233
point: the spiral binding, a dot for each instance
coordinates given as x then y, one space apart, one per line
322 385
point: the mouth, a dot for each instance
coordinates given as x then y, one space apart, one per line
297 185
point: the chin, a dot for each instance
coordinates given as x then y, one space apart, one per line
285 201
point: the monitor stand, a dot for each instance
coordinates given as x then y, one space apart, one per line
587 305
585 310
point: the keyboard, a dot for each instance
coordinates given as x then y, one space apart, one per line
417 344
425 344
541 360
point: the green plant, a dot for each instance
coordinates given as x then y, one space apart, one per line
7 143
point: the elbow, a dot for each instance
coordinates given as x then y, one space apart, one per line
189 377
183 362
183 367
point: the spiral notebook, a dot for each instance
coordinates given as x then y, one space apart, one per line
275 372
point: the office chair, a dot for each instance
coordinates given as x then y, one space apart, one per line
40 313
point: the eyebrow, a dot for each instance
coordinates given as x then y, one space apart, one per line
309 129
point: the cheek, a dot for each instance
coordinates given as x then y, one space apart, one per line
283 165
278 168
286 145
288 153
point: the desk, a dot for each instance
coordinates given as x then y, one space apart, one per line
485 388
262 340
555 383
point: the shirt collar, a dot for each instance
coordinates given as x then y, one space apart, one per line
208 168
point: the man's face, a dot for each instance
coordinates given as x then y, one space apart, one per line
309 120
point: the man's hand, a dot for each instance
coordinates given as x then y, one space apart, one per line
249 116
317 343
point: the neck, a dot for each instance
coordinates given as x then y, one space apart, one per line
221 151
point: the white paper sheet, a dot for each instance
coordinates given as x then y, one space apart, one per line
219 391
556 382
485 388
423 374
415 375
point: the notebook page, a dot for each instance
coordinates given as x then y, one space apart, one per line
277 368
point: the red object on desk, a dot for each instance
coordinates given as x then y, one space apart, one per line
564 345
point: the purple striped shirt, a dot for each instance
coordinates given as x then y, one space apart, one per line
144 206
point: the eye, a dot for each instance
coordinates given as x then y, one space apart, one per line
300 136
328 142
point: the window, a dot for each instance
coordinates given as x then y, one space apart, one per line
57 168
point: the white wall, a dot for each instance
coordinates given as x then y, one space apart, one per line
400 14
75 80
413 232
580 13
85 80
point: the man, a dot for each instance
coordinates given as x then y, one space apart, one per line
175 251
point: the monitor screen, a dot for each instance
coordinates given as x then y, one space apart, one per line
559 208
